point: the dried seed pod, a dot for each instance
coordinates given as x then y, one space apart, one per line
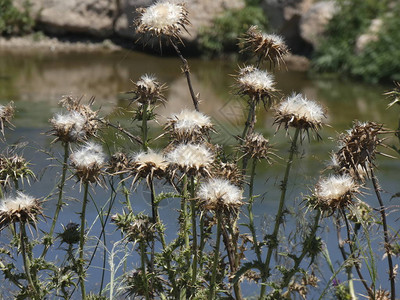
70 234
6 114
118 163
229 171
265 46
147 165
256 146
21 208
358 149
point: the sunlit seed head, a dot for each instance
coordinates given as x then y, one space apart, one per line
380 294
265 46
257 84
148 90
229 171
220 194
189 126
336 191
147 165
21 208
191 158
163 18
299 112
88 162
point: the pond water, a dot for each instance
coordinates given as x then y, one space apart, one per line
37 82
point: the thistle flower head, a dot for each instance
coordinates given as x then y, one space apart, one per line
228 171
256 146
6 114
335 192
136 228
299 112
70 234
118 163
91 124
190 159
381 294
189 126
69 127
163 18
265 46
358 148
14 167
220 195
147 165
148 90
21 208
259 85
88 162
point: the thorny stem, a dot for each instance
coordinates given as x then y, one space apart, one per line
60 198
250 211
386 235
306 249
144 275
125 191
82 241
27 261
216 258
356 265
194 231
248 129
184 216
144 127
119 128
273 244
154 218
186 70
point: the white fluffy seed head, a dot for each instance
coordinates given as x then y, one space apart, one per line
70 126
300 107
20 202
148 82
150 158
220 194
190 155
89 156
258 80
189 126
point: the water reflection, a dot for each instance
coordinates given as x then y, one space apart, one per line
36 84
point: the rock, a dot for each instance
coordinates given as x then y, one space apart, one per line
201 13
284 17
313 22
94 17
297 63
371 35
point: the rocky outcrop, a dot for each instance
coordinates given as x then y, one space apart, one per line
314 21
371 35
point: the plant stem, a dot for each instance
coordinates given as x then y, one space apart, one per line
216 258
26 258
125 191
82 241
186 70
250 211
60 199
386 235
194 231
144 127
248 129
273 244
143 262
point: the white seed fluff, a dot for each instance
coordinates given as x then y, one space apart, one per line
74 122
147 82
189 120
88 156
220 190
335 187
257 79
20 202
162 15
301 108
150 157
190 156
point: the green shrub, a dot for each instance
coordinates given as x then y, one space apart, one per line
336 52
14 21
222 35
